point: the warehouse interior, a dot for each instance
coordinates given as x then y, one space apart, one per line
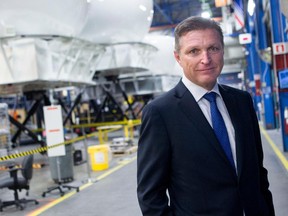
76 74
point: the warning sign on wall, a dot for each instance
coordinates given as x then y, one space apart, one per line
280 48
245 38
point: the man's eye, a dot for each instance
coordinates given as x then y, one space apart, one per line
214 49
194 51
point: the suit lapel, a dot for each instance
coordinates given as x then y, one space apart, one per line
190 107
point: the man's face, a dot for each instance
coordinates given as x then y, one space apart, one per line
201 57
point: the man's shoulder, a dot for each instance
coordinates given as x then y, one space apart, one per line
165 99
233 90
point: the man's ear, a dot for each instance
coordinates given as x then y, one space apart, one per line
177 57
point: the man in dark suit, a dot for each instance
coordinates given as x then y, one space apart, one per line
183 167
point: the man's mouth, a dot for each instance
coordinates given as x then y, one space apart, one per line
205 69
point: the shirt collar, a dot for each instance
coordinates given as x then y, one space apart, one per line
197 91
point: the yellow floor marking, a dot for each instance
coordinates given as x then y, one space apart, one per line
51 204
276 150
122 164
66 196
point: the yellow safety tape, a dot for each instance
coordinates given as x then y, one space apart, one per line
130 123
43 149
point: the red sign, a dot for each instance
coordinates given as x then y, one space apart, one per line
245 38
280 48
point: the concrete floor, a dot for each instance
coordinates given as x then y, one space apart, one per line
113 191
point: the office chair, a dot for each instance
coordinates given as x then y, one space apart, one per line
15 183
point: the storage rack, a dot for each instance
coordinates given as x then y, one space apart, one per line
5 136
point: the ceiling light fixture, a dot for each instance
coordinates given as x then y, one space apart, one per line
205 14
142 7
206 10
251 7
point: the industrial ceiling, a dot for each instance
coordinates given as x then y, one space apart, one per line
168 13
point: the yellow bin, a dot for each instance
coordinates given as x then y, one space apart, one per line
99 157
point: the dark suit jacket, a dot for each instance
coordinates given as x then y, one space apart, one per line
179 151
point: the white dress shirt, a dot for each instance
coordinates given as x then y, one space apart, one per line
198 92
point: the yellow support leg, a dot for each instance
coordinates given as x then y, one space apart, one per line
100 137
126 131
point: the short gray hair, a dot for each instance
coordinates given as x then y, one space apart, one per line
195 23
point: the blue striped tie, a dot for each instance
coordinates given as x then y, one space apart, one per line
219 126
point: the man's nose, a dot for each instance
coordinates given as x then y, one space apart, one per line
205 58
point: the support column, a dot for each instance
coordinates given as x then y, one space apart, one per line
279 62
253 66
268 112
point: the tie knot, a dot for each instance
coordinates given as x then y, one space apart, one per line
211 96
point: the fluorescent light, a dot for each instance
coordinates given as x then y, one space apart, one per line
251 7
142 7
205 14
